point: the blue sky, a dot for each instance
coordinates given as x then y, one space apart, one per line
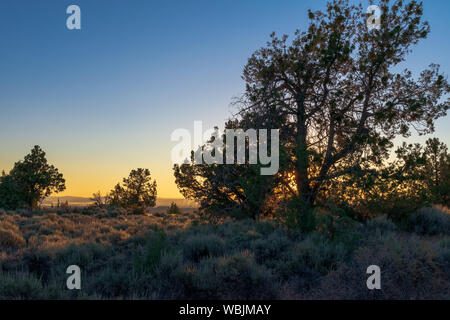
104 100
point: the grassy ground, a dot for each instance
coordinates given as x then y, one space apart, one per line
176 257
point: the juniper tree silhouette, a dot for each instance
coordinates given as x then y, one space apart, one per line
137 193
338 103
30 181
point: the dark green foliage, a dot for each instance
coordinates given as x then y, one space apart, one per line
234 276
222 190
269 250
296 214
334 94
38 263
137 193
239 277
201 246
437 171
417 178
173 209
20 286
380 225
156 246
343 105
10 197
429 221
30 181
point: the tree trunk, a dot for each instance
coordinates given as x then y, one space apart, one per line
33 204
302 161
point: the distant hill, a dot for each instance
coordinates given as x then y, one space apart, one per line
83 201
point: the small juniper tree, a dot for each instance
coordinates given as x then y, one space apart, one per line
137 193
30 181
173 209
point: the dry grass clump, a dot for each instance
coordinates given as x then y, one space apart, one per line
412 268
10 239
10 234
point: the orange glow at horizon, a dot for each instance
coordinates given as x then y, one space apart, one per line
87 171
84 184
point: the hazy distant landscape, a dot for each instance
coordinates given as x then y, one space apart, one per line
164 203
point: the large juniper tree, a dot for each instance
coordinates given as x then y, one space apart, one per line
339 103
336 86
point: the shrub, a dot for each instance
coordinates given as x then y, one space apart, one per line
265 227
117 236
241 278
10 239
231 277
408 266
311 259
380 224
168 277
116 212
82 255
8 224
238 234
157 244
270 248
444 255
337 225
429 221
173 209
38 262
199 246
20 286
111 283
375 229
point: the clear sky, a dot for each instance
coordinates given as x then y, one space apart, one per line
104 99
